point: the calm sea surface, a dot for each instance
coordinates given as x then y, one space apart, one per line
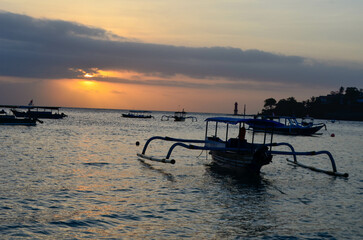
79 177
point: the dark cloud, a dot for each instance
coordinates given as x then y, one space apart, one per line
155 82
50 49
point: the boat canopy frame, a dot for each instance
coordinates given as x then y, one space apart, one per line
241 122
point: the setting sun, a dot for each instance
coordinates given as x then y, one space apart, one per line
88 75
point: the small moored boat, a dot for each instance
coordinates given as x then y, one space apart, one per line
236 153
137 114
7 119
178 117
36 112
286 125
39 112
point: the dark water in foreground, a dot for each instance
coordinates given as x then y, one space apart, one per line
80 178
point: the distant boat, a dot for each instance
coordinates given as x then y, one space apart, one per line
137 114
31 111
178 117
40 113
285 125
7 119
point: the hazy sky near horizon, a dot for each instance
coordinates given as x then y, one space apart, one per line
166 55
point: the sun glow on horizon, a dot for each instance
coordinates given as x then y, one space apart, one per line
87 93
88 83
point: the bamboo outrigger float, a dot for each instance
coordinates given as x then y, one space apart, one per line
237 154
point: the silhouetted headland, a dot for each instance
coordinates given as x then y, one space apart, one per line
345 104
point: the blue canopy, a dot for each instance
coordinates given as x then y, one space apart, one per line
251 122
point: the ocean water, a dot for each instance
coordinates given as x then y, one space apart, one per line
79 178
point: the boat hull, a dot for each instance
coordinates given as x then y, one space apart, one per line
179 119
17 121
241 161
38 114
136 116
290 130
288 126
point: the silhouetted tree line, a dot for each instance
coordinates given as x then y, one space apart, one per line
344 104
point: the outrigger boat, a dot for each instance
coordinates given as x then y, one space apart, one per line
178 117
35 112
236 153
39 112
287 126
137 114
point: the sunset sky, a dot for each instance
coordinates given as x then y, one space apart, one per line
200 55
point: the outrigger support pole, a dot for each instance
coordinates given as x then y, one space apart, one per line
285 144
169 139
185 146
179 142
339 174
311 153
